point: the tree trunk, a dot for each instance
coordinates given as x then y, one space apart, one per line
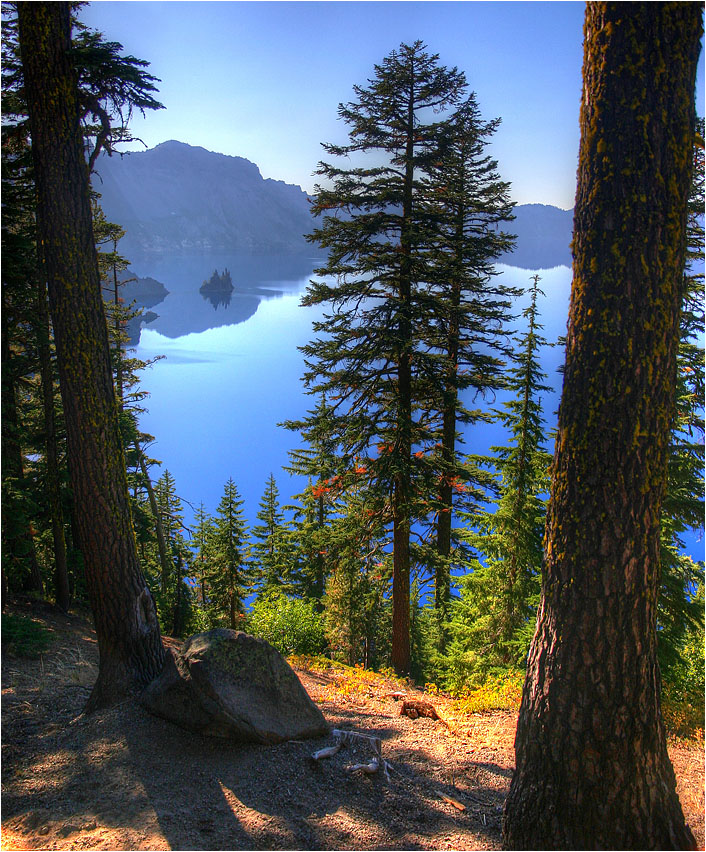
158 525
400 651
592 764
442 590
131 652
61 572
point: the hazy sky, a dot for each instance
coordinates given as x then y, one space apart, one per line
263 80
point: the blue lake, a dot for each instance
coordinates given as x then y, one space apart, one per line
231 373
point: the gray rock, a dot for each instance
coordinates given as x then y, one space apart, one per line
228 684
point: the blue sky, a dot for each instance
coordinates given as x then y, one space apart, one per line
263 80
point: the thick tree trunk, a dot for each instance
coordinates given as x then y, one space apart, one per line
129 641
400 583
592 765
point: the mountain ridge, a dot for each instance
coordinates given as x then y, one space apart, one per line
177 198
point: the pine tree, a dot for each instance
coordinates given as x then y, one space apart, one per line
174 596
469 204
19 363
355 607
131 653
319 463
202 544
370 360
228 556
272 549
113 84
493 622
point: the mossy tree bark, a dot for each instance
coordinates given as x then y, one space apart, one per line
131 652
592 764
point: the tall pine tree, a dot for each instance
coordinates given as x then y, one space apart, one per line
272 550
469 205
371 360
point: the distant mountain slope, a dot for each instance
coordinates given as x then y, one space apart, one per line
179 198
543 237
176 197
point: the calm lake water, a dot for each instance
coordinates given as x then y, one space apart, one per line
232 372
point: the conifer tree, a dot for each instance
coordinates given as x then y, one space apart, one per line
492 624
131 653
174 597
19 362
469 204
202 544
272 550
355 610
228 556
317 461
371 361
112 84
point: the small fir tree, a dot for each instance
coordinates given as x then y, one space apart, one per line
272 550
227 548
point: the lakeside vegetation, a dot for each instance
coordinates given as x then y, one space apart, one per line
402 551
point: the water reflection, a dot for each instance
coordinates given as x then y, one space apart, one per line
217 299
224 298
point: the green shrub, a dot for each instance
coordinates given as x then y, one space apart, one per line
291 625
502 691
683 689
24 637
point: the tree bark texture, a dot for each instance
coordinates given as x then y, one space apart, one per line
592 764
131 652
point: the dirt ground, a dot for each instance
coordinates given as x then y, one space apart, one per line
121 779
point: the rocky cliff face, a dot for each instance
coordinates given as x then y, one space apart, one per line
176 197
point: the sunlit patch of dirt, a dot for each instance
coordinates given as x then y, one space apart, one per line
121 779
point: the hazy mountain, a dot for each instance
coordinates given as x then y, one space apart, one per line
176 197
179 198
543 237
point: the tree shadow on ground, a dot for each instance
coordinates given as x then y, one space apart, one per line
230 796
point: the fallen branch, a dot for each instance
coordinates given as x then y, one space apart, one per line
326 752
346 737
369 768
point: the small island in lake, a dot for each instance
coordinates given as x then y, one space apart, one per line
219 282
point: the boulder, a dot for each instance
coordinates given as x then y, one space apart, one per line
225 683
